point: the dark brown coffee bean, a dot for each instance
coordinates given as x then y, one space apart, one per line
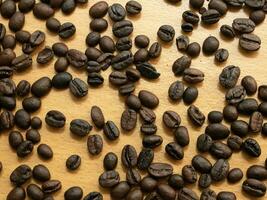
16 22
264 129
6 56
133 7
247 106
99 9
262 92
263 108
61 65
215 117
60 49
133 74
234 142
17 193
80 127
229 76
9 42
53 25
68 6
26 6
6 72
111 130
220 150
182 42
204 180
226 196
148 184
55 119
148 99
133 102
196 116
147 70
210 45
133 177
23 88
116 12
189 174
74 192
171 119
208 194
217 131
78 88
66 30
251 147
122 28
220 170
201 164
204 143
220 6
2 29
45 55
182 136
110 161
22 36
122 60
41 173
190 17
145 158
255 122
257 16
33 136
176 181
22 62
176 90
43 11
180 65
160 170
22 119
249 42
93 39
174 150
250 85
120 190
94 144
95 79
211 16
254 187
141 41
97 116
190 94
51 186
129 156
147 115
227 31
15 138
152 141
148 129
98 25
257 172
7 120
166 191
186 193
36 123
254 4
243 25
45 151
193 75
126 89
109 179
235 94
235 175
20 175
124 44
141 55
166 33
128 120
34 192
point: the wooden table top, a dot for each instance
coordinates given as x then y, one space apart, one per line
211 97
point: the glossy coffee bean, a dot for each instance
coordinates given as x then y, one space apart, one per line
254 187
201 164
251 147
109 179
211 16
204 142
257 172
17 193
80 127
219 170
120 191
53 25
111 131
23 88
74 192
148 184
171 119
41 173
116 12
160 170
45 151
234 142
133 7
43 11
97 116
210 45
33 136
204 180
20 175
235 175
176 181
51 186
15 138
226 196
174 150
34 192
182 136
217 131
78 88
73 162
166 33
196 116
128 120
66 30
176 91
145 158
94 144
110 161
36 123
250 42
98 25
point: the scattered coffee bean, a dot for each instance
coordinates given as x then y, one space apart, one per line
220 170
41 173
133 7
251 147
111 130
94 144
249 42
45 151
51 186
20 175
254 187
174 150
109 179
204 142
110 161
74 192
234 142
211 16
182 136
116 12
166 33
176 90
145 158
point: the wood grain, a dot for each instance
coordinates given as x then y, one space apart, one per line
211 97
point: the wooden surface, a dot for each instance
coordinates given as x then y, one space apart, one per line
211 97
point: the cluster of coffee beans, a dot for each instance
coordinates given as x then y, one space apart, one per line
103 52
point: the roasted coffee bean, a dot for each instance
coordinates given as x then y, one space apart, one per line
76 58
97 116
93 196
255 122
105 60
116 12
20 175
95 79
7 87
93 39
186 193
148 99
23 88
6 56
133 7
243 25
141 55
61 80
215 117
190 17
93 66
22 36
31 104
43 11
135 194
94 144
110 161
133 74
190 94
55 119
152 195
263 108
9 42
128 120
148 184
262 92
45 151
68 6
147 70
176 181
193 75
166 33
234 142
152 141
80 127
98 25
33 136
208 194
174 150
78 88
211 16
240 128
210 45
120 190
133 177
51 186
107 44
15 138
226 196
124 44
34 192
235 94
254 4
176 90
129 156
257 172
99 9
141 41
2 29
235 175
201 164
180 65
220 150
148 129
8 103
122 28
66 30
22 119
53 25
189 174
204 180
26 6
133 102
147 115
74 192
251 147
6 72
6 120
145 158
36 39
22 62
16 193
249 42
247 106
171 119
219 170
41 173
160 170
60 49
227 31
41 87
250 84
126 89
122 60
254 187
217 131
182 42
166 191
220 6
8 8
257 16
109 179
111 130
36 123
196 116
196 3
61 65
182 136
204 142
24 149
230 113
221 55
264 129
187 27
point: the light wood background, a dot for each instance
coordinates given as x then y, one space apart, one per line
211 97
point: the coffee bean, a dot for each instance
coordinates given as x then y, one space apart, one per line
110 161
122 60
263 108
147 115
93 196
8 103
128 120
217 131
176 90
251 147
7 56
111 130
98 25
80 127
226 196
16 22
2 30
22 62
227 31
66 30
235 94
141 55
74 192
148 184
61 80
6 72
221 55
122 28
141 41
220 6
93 66
23 88
187 27
34 192
116 12
181 136
99 9
174 150
243 25
264 129
176 181
160 170
6 120
93 39
219 170
26 6
21 36
230 113
210 45
186 193
204 180
249 42
180 65
257 172
20 175
166 33
97 116
95 79
254 187
43 11
60 49
204 142
68 6
133 177
196 116
53 25
94 144
148 99
193 75
22 119
190 17
262 92
190 94
234 142
247 106
15 138
220 150
120 190
171 119
41 87
152 141
109 179
24 149
215 117
235 175
126 89
145 158
250 85
129 156
189 174
135 194
133 7
36 123
254 4
16 193
201 164
9 42
33 136
105 60
148 129
133 102
208 194
124 44
147 70
61 65
78 88
31 104
41 173
211 16
182 42
255 122
51 186
133 74
257 16
152 195
8 8
166 191
55 119
45 151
